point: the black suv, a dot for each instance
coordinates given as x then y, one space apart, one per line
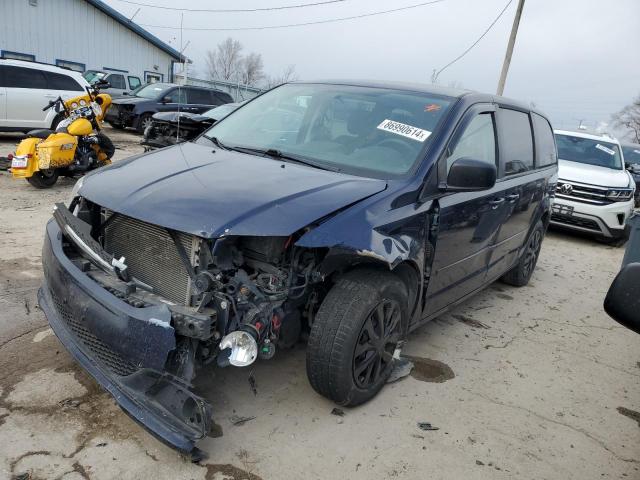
136 110
348 213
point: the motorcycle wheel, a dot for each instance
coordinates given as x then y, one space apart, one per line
44 178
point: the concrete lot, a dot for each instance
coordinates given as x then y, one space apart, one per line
530 383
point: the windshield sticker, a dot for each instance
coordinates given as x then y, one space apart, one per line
408 131
432 107
605 149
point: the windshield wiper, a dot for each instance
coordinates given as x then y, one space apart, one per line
279 154
217 142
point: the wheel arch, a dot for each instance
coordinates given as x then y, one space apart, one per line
339 261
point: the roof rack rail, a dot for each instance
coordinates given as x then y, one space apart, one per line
39 63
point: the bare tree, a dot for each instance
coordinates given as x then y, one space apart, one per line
252 69
212 68
288 75
225 62
629 118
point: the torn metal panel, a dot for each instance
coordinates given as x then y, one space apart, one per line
372 230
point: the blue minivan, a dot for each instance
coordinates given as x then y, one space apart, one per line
348 213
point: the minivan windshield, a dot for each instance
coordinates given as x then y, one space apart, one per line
377 132
631 154
585 150
152 90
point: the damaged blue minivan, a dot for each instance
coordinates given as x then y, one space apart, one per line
345 213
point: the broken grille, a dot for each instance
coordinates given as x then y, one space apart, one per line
107 357
151 255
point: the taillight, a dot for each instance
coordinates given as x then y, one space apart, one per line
10 157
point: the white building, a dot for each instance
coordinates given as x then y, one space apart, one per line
83 35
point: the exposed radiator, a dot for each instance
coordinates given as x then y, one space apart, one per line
151 255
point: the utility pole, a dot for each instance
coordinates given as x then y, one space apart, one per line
512 41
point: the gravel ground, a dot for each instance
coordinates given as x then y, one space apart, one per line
526 383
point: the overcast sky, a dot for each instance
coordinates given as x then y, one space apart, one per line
575 59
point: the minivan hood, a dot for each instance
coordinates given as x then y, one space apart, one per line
130 100
592 174
194 189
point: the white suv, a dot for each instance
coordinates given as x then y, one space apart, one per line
594 193
27 87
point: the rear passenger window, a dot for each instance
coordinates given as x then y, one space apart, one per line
200 97
516 153
477 142
18 77
545 144
59 81
117 81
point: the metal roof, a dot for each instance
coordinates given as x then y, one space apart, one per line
117 16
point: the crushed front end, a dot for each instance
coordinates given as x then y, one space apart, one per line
142 308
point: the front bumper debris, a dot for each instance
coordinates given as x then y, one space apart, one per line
123 347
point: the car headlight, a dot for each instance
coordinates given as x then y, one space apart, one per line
619 194
76 188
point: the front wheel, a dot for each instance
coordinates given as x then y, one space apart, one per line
356 331
144 122
520 275
44 178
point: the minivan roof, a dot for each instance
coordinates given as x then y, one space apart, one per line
591 136
469 95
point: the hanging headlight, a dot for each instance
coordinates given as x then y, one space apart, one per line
244 349
83 102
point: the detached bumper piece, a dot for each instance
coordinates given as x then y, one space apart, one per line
123 347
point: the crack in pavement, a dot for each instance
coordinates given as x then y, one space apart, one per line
594 360
22 335
586 325
551 420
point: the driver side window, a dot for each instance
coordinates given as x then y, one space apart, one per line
477 142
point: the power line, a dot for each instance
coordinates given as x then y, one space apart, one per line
232 10
268 27
435 75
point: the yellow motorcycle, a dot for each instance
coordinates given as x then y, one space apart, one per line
75 147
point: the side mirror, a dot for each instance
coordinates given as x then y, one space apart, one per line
468 175
627 165
622 302
165 100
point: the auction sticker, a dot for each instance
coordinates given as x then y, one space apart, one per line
405 130
605 149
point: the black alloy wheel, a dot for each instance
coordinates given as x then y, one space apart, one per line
376 344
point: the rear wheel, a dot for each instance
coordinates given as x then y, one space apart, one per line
520 275
44 178
356 331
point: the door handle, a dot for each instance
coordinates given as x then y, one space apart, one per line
513 197
496 202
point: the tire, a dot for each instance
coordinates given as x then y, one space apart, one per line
44 178
341 363
520 275
144 122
